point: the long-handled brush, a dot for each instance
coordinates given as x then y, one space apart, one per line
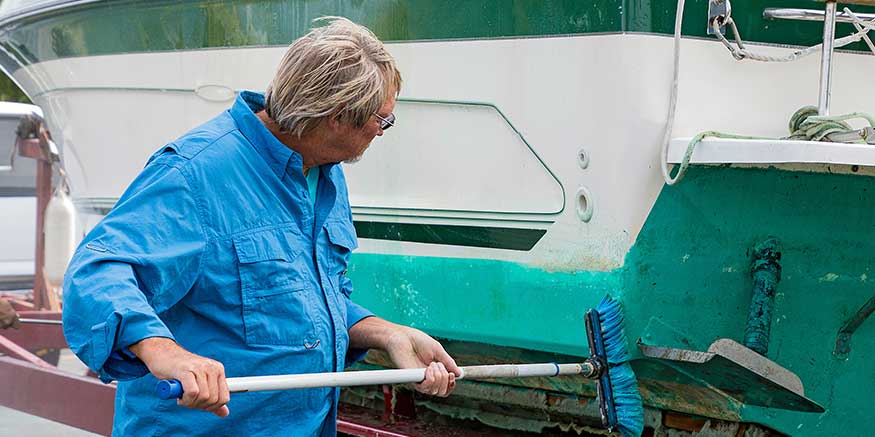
627 411
619 402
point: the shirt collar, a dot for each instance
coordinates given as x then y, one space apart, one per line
276 154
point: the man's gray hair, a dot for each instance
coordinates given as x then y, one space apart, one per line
338 70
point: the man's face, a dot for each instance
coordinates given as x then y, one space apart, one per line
352 142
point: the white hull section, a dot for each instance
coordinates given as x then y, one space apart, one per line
511 160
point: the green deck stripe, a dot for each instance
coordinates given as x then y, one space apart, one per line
128 27
454 235
125 26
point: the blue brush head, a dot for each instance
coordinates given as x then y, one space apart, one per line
627 400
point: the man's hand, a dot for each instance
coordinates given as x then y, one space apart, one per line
8 315
409 348
203 379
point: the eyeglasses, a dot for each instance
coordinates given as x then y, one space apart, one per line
386 122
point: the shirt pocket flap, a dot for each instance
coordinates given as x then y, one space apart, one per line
264 246
268 264
342 234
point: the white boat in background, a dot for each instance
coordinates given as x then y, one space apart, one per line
17 202
523 182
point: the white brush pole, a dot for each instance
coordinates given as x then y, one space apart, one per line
398 376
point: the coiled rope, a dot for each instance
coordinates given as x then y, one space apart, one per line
806 125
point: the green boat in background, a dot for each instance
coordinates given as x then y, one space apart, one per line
523 182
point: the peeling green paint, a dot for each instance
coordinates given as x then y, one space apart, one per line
676 288
823 222
482 300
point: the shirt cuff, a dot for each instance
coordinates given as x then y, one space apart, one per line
355 313
110 340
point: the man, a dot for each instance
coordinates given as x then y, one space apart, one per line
227 255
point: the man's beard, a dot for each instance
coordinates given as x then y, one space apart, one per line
354 159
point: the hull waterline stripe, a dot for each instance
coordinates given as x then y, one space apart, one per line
453 235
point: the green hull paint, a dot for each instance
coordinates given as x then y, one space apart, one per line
125 26
685 283
481 300
690 268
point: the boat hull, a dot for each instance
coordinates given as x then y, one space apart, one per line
522 181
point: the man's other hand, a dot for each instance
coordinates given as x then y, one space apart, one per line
412 348
8 315
203 380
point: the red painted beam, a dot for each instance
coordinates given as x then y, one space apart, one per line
18 303
32 336
31 148
73 400
12 349
45 315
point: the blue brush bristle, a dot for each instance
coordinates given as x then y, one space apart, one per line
627 400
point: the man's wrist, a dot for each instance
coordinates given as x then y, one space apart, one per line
148 347
375 333
397 338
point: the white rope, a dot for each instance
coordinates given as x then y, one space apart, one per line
739 52
859 24
672 100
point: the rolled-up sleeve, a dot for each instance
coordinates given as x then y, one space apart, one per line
141 259
354 314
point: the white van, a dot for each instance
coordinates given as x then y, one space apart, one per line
17 202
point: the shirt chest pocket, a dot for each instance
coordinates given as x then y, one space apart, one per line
275 290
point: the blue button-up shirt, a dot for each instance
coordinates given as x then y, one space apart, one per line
217 245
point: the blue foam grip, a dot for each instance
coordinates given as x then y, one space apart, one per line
169 389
